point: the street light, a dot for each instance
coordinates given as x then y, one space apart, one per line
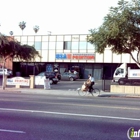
49 32
22 26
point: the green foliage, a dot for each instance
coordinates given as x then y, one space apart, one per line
9 47
120 30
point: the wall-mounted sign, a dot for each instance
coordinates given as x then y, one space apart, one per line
49 68
77 56
18 81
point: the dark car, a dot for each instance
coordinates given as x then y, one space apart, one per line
52 77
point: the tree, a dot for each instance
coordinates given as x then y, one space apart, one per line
12 49
22 26
120 30
36 28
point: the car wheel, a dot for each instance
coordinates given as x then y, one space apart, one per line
71 79
55 82
121 82
51 82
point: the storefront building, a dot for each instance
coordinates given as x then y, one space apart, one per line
68 52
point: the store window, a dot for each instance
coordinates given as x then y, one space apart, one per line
67 45
74 46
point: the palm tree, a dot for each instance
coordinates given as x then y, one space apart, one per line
22 26
11 33
36 28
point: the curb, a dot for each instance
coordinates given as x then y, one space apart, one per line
65 92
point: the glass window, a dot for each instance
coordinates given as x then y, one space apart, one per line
67 38
82 45
17 38
75 45
23 38
52 38
44 38
24 42
119 70
44 45
83 37
59 38
31 43
66 45
51 45
38 45
59 45
75 38
91 46
30 38
37 38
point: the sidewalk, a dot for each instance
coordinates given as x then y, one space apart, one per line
64 92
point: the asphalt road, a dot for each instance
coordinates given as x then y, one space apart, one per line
45 117
73 85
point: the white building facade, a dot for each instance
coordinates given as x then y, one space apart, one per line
69 52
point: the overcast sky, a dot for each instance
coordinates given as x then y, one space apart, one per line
57 16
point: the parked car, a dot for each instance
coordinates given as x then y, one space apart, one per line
52 76
69 76
7 72
39 79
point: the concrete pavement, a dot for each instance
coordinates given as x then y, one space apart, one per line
64 92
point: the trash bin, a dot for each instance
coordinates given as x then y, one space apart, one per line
47 83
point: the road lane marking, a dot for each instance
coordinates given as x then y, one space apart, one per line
90 105
12 131
70 114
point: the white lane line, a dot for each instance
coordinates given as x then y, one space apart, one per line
70 114
11 131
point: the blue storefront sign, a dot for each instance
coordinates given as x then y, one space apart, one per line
61 56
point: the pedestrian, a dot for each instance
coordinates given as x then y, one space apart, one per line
69 71
91 79
75 72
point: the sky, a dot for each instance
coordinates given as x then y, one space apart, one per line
57 16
